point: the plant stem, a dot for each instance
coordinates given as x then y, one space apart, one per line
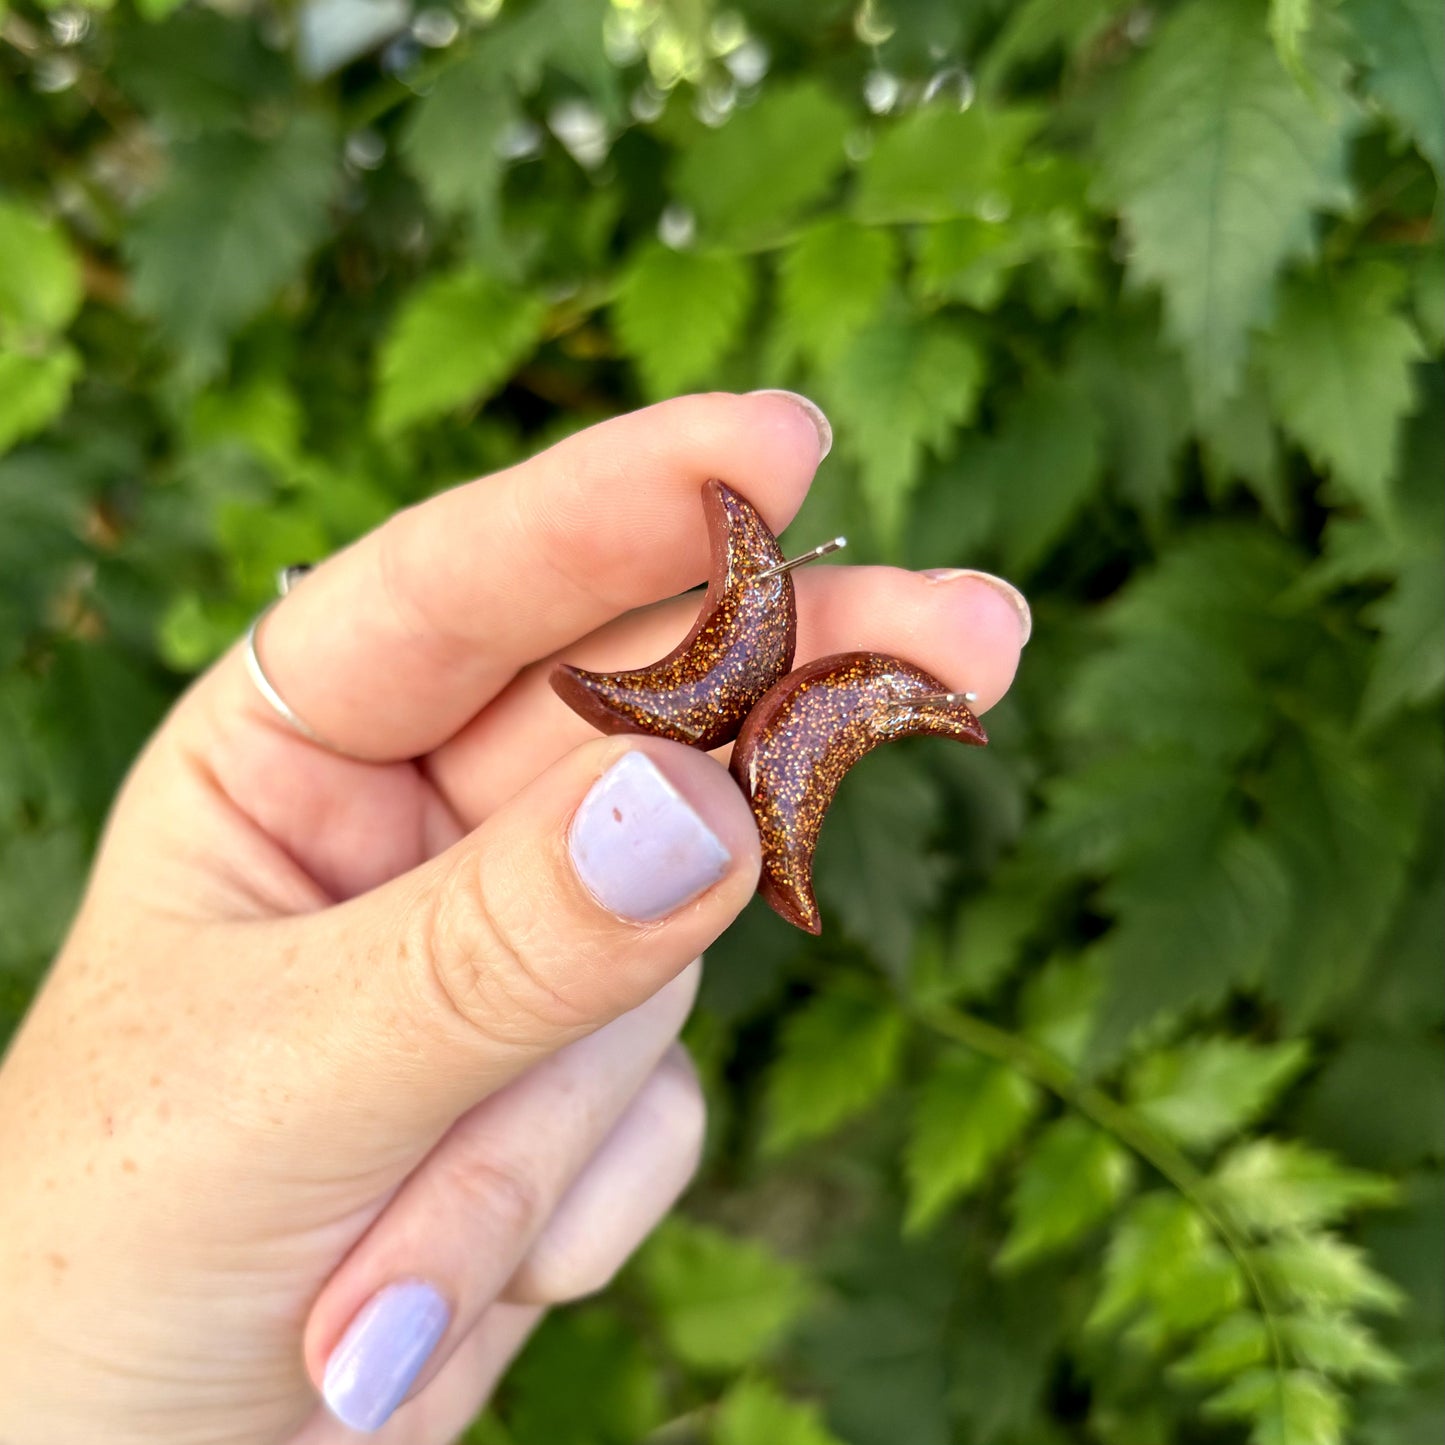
1052 1073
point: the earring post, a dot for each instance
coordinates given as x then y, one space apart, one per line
949 697
822 550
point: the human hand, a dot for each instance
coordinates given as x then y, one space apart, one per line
349 1068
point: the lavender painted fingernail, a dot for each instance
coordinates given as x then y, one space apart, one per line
638 846
382 1353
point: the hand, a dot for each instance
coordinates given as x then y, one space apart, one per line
349 1068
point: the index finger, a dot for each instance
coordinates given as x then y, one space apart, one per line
388 648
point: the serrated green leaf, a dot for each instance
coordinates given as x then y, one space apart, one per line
1188 929
34 390
614 1395
678 313
1334 1344
1322 1271
1405 43
1206 1089
1270 1185
1230 1347
40 289
968 1112
42 873
1289 24
1217 160
1043 467
722 1302
1074 1176
905 386
755 1412
234 223
831 282
1137 389
450 141
1165 1265
1059 1004
1409 665
836 1056
455 341
1337 362
1296 1408
937 163
799 127
877 868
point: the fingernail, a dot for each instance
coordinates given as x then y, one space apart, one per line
638 847
1006 589
814 414
382 1353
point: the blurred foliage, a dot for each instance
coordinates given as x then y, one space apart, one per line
1110 1107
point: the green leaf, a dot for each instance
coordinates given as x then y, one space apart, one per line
1229 1347
836 1056
34 390
877 868
799 127
42 874
1073 1177
1137 392
1217 161
755 1412
1188 929
613 1394
1270 1185
456 340
1042 467
1405 43
968 1113
1297 1408
678 314
831 282
40 287
937 163
1409 664
1165 1263
1337 362
1289 24
1207 1089
905 387
722 1302
450 140
1322 1271
1059 1004
1334 1344
1034 28
233 224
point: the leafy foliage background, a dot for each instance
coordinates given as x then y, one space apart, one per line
1110 1108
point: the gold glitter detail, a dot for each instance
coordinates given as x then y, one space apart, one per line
798 744
741 644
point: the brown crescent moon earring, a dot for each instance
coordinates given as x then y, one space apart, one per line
741 644
801 739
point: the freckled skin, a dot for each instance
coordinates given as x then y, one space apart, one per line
798 744
741 644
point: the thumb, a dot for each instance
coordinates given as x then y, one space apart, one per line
572 904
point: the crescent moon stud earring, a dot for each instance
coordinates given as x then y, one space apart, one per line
741 644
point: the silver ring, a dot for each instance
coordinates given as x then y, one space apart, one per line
286 579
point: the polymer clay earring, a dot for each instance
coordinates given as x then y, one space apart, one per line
801 739
741 644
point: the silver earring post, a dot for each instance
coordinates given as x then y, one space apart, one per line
821 550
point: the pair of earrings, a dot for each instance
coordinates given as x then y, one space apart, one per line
796 734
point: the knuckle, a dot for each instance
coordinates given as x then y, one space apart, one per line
490 957
502 1194
679 1107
